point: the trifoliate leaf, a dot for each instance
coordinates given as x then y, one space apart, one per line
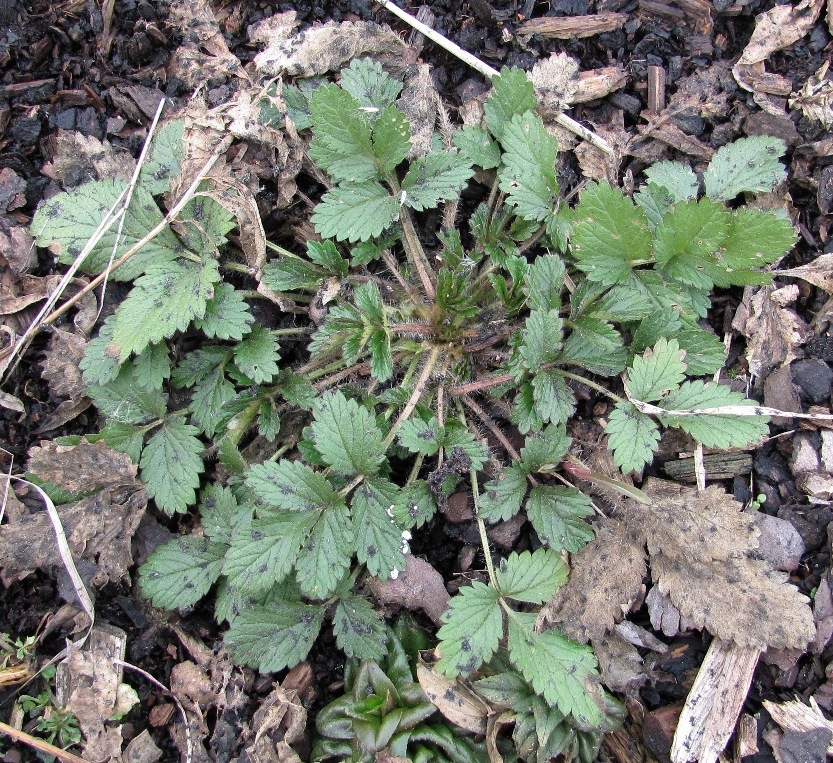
325 556
355 212
704 352
531 577
544 281
341 143
99 365
325 254
686 240
163 161
271 638
124 438
180 572
263 551
171 465
416 507
211 394
124 401
512 93
554 400
595 346
714 430
657 371
378 539
369 83
749 165
359 631
543 451
220 513
632 436
610 234
524 413
346 435
153 366
678 179
477 146
291 486
560 670
391 139
257 355
420 436
541 338
528 172
501 497
438 176
472 631
557 514
226 316
163 301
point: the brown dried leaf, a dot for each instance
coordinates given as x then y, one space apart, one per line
60 367
605 577
420 103
454 700
71 152
779 28
17 246
12 190
279 723
819 272
619 663
82 468
555 80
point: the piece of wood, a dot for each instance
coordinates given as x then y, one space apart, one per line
656 89
660 129
572 27
598 83
719 466
714 703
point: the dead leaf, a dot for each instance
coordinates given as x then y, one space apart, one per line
815 98
279 723
83 468
142 749
420 103
419 586
74 158
60 367
619 663
191 685
453 699
17 246
555 80
12 190
819 272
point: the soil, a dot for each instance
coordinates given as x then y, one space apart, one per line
55 77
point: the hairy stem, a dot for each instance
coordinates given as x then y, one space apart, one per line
416 395
416 255
587 383
482 384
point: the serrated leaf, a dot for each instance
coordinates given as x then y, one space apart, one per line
749 165
153 366
325 556
226 316
219 513
180 572
677 178
544 281
163 161
541 338
163 301
355 212
754 239
417 506
654 202
557 514
714 430
381 359
291 486
554 400
369 83
705 354
502 497
291 274
531 577
346 435
625 302
391 139
99 366
457 438
632 436
198 364
211 394
268 420
657 371
610 234
438 176
472 631
171 465
524 412
528 172
543 451
326 254
477 146
560 670
663 322
124 438
124 401
203 224
263 551
378 539
420 436
257 355
595 346
271 638
296 389
359 631
512 93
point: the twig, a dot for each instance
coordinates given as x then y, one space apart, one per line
488 71
40 744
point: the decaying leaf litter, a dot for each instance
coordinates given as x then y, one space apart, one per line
795 317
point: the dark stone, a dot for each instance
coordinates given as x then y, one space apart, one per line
66 119
821 346
810 522
25 131
692 125
814 379
628 103
87 123
805 746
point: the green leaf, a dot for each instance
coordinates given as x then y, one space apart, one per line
257 355
381 358
663 322
472 631
369 83
417 506
420 436
654 202
711 429
705 354
124 438
268 420
355 212
632 436
544 282
163 301
359 631
346 435
226 316
557 514
595 346
180 572
291 486
501 497
754 239
438 176
657 371
524 413
512 93
541 338
341 143
171 465
124 401
203 224
296 389
391 139
625 302
457 438
678 179
610 234
271 638
163 161
528 172
531 577
543 451
378 539
554 400
211 394
477 146
560 670
325 556
325 254
749 165
291 273
100 363
153 366
220 512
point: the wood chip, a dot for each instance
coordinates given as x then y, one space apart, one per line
573 27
